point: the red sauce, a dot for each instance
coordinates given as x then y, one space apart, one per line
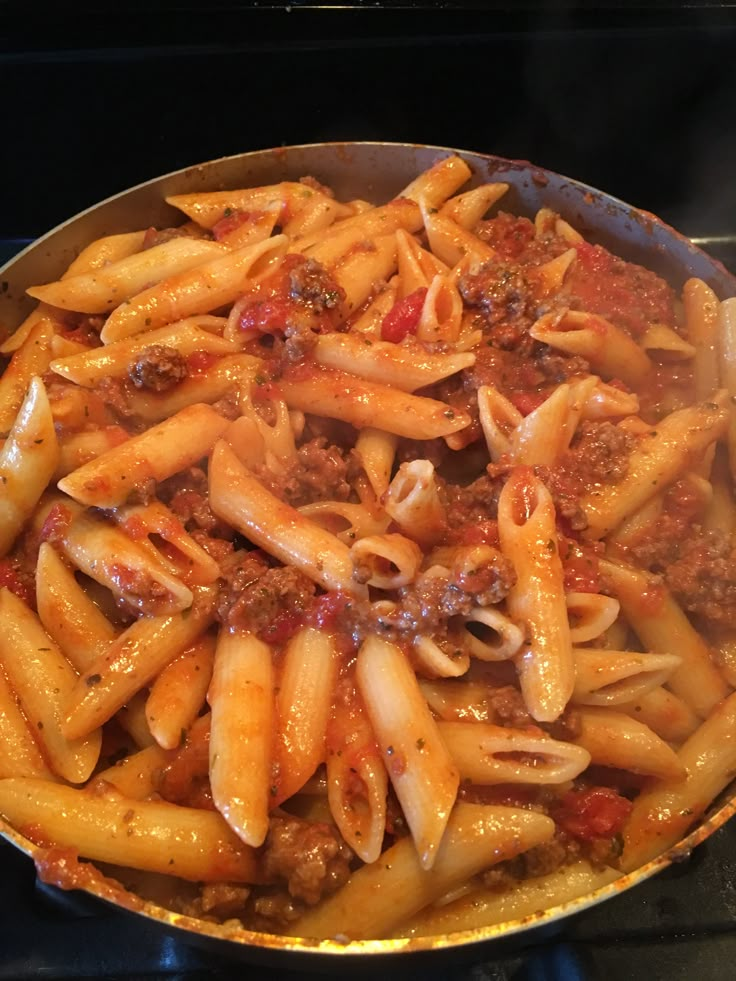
527 402
581 569
403 317
234 220
509 235
12 578
626 294
598 812
56 524
199 361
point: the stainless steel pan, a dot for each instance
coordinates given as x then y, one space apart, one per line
375 171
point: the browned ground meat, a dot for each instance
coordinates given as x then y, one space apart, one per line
186 495
557 368
503 298
703 577
600 455
157 368
476 502
185 778
320 472
310 855
310 283
115 393
508 708
253 594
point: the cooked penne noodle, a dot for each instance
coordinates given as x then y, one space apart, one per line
434 186
178 694
433 661
421 771
231 374
338 395
664 812
241 740
348 522
701 320
106 288
369 321
591 615
542 436
136 775
20 755
156 454
356 231
442 313
209 207
357 782
43 681
656 461
416 266
132 570
116 360
406 367
360 268
149 835
239 498
31 359
663 627
489 754
665 344
664 713
483 907
413 501
303 705
526 526
177 551
451 242
197 290
468 208
615 739
386 561
499 419
66 612
376 450
104 251
551 274
490 635
604 401
477 837
134 659
606 677
610 350
28 461
79 448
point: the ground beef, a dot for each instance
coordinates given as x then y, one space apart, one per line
540 860
157 368
515 238
703 577
275 909
115 393
508 708
427 604
558 368
84 329
600 455
186 495
471 504
501 294
185 778
253 594
311 284
320 472
310 856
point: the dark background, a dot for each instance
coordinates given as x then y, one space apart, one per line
638 99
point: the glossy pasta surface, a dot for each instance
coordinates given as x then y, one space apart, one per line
359 550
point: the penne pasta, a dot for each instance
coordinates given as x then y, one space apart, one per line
615 739
178 694
418 764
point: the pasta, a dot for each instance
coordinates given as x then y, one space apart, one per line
368 566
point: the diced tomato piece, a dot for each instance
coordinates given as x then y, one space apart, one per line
13 579
598 812
267 316
199 361
57 521
527 402
230 222
403 317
